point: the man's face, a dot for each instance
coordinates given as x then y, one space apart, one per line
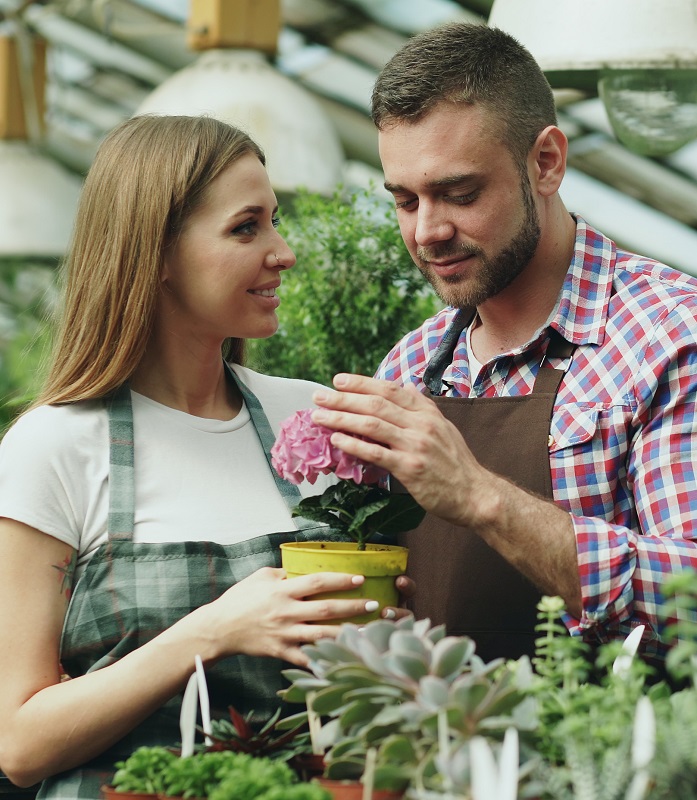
466 214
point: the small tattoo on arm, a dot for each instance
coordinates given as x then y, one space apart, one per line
67 570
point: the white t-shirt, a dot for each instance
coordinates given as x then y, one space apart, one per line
195 478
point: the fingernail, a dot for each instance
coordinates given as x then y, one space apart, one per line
357 580
340 379
319 415
319 397
389 613
372 605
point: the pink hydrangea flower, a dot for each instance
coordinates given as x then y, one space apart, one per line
303 451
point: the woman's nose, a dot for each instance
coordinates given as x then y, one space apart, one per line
283 257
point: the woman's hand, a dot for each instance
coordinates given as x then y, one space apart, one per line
268 615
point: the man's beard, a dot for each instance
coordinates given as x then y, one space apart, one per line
494 274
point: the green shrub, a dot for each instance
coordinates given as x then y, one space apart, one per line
352 295
27 297
253 779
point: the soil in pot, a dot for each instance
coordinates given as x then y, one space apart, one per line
380 563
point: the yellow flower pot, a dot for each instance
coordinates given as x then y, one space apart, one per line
380 563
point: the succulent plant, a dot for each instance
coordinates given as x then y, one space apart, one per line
279 737
410 692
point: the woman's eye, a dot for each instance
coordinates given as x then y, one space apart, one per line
246 229
275 221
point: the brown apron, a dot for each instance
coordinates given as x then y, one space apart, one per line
461 581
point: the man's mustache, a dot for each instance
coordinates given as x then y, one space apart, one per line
441 252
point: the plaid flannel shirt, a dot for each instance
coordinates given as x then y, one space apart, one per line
623 442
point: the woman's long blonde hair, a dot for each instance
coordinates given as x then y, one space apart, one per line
149 174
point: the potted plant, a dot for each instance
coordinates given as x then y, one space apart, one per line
158 772
410 696
624 735
358 507
282 738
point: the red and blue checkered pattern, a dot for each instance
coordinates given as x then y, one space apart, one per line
623 444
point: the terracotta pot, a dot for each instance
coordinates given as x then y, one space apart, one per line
380 563
110 793
353 790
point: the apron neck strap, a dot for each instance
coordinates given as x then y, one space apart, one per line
442 358
121 471
548 379
288 491
121 519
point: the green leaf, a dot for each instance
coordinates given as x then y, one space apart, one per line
316 513
379 632
402 513
348 769
356 712
397 748
451 655
406 666
329 649
433 691
393 777
404 642
365 512
329 700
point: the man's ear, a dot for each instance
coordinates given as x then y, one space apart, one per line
548 160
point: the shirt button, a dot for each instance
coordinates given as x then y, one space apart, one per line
550 440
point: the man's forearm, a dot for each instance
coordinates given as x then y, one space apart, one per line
534 536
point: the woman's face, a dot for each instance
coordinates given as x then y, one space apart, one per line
220 276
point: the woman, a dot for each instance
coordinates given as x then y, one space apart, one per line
142 469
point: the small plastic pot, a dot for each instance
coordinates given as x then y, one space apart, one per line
353 790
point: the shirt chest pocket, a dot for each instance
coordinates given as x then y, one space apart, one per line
573 425
580 427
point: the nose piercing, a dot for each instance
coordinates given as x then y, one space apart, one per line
278 260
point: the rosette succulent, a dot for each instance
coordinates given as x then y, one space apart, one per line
414 695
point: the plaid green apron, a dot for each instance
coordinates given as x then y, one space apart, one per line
130 592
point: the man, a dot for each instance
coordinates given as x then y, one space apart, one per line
556 451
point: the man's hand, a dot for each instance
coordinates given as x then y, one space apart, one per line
411 439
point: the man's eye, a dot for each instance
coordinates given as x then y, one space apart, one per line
404 203
463 199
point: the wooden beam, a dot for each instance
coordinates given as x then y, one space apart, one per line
13 120
252 24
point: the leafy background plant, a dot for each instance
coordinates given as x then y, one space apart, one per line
352 294
27 298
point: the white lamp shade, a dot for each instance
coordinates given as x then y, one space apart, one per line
38 199
570 36
240 87
640 55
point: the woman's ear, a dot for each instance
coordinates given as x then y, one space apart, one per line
548 156
164 269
